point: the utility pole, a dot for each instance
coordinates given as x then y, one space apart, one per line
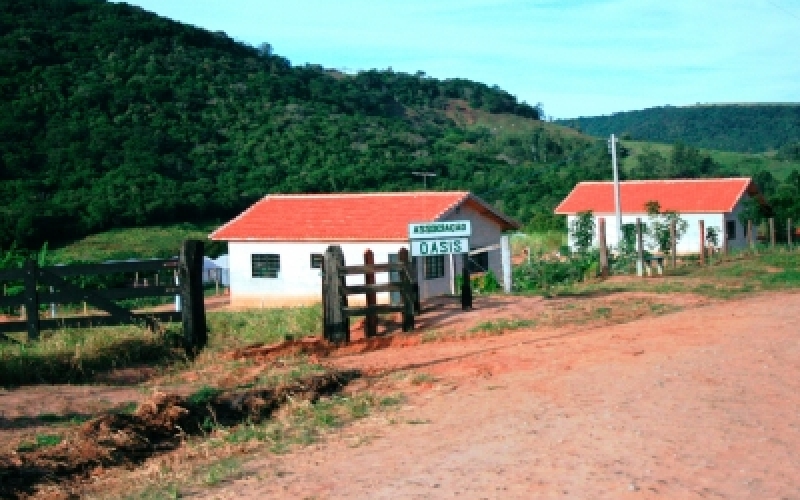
612 144
424 176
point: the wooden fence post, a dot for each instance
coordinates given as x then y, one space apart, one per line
466 285
190 268
772 232
673 243
724 237
702 228
408 290
31 300
371 321
601 243
639 248
337 325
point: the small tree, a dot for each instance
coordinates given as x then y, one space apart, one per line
582 232
712 236
659 232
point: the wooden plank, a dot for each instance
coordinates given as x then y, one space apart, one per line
112 267
487 248
466 285
12 274
380 287
375 268
337 324
89 321
31 300
601 244
371 324
639 248
408 294
192 301
377 309
701 227
93 298
71 297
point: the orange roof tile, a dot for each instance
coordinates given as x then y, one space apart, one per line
681 195
346 217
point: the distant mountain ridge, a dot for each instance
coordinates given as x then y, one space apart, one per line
740 127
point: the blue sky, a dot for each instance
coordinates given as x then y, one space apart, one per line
576 57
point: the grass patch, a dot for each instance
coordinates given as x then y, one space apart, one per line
422 378
500 326
40 441
227 469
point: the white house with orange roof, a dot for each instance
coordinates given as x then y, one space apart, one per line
717 202
275 247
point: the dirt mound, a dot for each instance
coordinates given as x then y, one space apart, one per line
159 424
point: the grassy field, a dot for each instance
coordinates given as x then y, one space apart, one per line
141 242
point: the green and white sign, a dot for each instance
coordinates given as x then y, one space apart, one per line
441 246
448 229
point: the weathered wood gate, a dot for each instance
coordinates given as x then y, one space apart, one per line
50 285
337 312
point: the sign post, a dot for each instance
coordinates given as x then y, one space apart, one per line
431 239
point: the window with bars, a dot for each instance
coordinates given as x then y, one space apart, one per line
316 261
266 265
434 267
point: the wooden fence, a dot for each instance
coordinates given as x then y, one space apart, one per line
43 285
704 249
337 312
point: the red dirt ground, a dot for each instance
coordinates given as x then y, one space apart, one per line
697 404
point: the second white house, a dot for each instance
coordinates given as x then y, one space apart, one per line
717 202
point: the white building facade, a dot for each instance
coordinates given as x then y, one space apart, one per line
275 247
718 203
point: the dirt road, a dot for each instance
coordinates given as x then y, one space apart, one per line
697 404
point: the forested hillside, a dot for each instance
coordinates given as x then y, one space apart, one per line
730 127
113 117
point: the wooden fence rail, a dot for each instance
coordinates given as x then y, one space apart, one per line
335 292
43 285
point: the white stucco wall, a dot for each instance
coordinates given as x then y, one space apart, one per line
689 243
297 283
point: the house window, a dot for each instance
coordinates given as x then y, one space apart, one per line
316 261
730 229
479 262
434 267
266 265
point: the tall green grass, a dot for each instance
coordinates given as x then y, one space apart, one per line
72 355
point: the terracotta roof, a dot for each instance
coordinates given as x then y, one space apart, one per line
347 217
681 195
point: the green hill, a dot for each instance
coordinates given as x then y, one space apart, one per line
749 128
113 117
